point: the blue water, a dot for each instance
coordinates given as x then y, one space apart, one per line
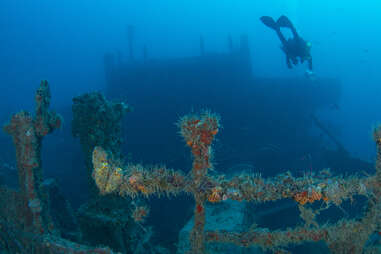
65 42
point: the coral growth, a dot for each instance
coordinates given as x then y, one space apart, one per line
97 122
198 132
27 133
140 213
27 211
135 179
25 221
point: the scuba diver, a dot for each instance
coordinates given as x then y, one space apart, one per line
293 47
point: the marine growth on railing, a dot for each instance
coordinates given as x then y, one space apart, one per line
199 130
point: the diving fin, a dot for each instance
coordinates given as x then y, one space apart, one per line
270 22
283 21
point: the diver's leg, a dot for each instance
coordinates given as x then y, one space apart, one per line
281 37
269 21
310 63
289 65
294 33
294 60
283 21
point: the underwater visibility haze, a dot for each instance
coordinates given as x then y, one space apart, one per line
190 126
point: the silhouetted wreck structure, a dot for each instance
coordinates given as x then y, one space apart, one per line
267 121
264 119
276 111
181 72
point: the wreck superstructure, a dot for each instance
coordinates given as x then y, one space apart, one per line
259 117
160 90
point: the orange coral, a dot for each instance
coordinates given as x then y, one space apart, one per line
216 195
314 195
309 196
301 197
140 213
133 179
214 132
142 189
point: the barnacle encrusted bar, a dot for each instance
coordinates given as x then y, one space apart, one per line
344 236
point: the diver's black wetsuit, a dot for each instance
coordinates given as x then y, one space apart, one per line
294 47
